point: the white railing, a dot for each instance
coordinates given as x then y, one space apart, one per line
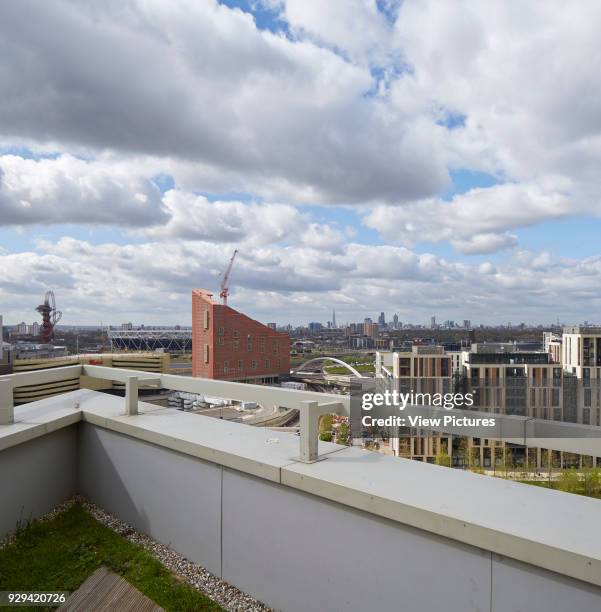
554 435
311 405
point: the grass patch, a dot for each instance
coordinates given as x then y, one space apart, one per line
557 486
362 369
61 553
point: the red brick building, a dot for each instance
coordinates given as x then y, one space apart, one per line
228 345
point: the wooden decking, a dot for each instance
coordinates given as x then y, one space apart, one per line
105 591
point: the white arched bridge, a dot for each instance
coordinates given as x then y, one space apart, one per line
305 368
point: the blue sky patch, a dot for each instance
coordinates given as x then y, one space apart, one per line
266 18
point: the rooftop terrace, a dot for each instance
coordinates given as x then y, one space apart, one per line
354 531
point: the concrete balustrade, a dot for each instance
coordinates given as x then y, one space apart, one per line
356 531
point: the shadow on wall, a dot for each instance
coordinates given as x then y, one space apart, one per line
174 498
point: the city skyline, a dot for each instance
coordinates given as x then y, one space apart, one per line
326 324
351 166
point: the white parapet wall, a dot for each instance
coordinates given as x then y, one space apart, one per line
355 531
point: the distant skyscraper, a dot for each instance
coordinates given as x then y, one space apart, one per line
395 321
371 330
433 322
382 319
467 324
334 319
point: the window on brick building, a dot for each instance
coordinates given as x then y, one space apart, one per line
205 318
267 364
220 340
236 333
226 367
206 353
221 331
276 346
240 365
254 365
262 344
236 345
249 343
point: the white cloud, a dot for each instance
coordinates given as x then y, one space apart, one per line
476 221
322 238
193 217
121 194
350 108
485 243
355 27
523 74
199 83
71 190
293 283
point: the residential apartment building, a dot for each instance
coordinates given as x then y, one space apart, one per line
552 344
582 351
424 369
229 345
427 361
503 380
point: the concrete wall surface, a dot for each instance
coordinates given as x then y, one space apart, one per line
36 476
172 497
297 553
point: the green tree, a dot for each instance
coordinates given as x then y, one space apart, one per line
462 452
591 481
569 481
326 423
343 435
443 458
552 462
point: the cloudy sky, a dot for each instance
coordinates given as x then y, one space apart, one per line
418 157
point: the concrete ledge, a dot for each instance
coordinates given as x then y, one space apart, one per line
252 450
549 529
40 418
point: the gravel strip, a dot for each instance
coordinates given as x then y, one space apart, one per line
227 596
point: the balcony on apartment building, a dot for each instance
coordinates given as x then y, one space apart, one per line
354 530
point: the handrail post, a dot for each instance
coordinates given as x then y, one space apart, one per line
131 395
309 432
309 428
7 404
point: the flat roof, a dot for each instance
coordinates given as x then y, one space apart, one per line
582 329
